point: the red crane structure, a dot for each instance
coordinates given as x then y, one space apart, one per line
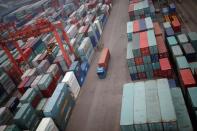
40 27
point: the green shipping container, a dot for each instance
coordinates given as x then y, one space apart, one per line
12 127
135 45
140 114
181 62
192 37
26 118
152 42
126 117
193 65
183 119
153 106
193 97
171 41
168 115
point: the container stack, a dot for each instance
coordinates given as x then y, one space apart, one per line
147 55
40 94
72 83
137 110
6 83
46 124
79 74
59 106
26 117
140 9
5 116
86 50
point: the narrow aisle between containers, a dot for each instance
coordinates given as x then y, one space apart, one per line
98 105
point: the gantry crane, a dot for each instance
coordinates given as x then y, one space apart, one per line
40 27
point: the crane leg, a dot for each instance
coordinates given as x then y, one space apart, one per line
17 68
59 41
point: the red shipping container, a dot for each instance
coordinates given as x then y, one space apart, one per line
21 87
176 26
108 2
157 29
166 69
156 73
142 76
13 74
36 100
144 47
134 1
187 79
162 49
104 58
92 4
136 26
138 61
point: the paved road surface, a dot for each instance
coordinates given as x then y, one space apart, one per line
99 104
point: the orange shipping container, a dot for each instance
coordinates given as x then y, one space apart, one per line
104 58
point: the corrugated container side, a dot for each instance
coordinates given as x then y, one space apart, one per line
140 117
153 106
126 118
166 105
183 119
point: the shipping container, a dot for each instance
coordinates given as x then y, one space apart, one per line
47 124
186 78
183 119
182 39
104 58
6 116
127 110
168 114
72 83
182 62
140 114
189 52
153 106
26 117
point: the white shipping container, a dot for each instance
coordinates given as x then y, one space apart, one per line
168 115
140 117
33 72
53 69
149 23
72 82
96 22
72 31
25 74
47 124
43 66
36 81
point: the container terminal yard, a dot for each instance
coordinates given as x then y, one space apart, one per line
98 65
